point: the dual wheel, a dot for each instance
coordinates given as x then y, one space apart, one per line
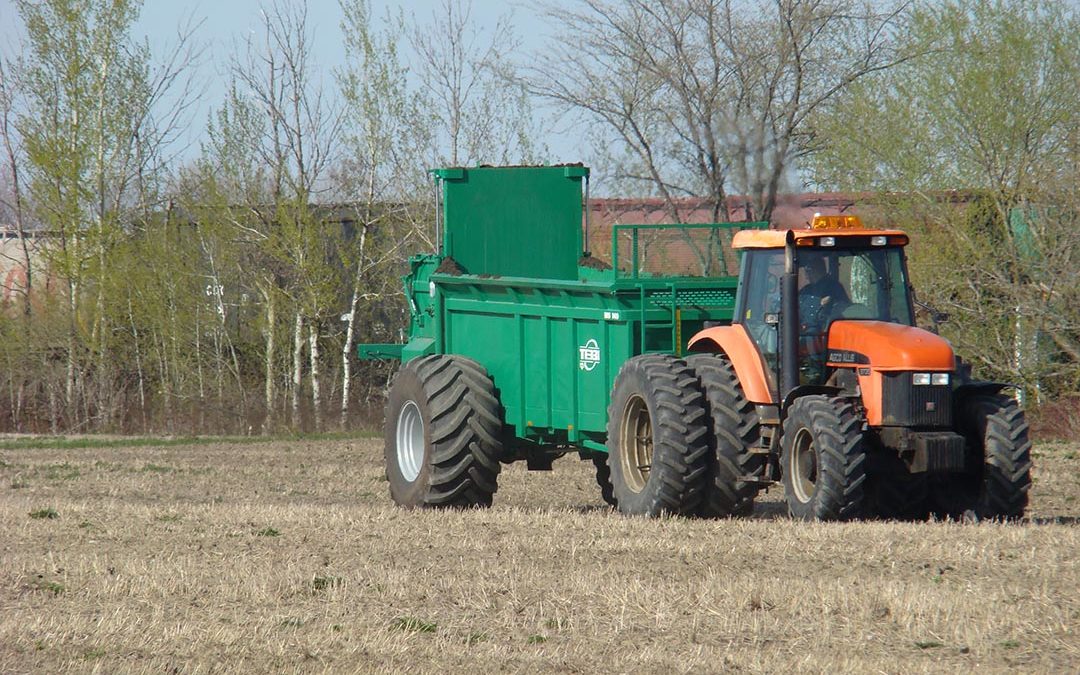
680 439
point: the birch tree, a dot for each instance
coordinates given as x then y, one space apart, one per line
297 142
92 124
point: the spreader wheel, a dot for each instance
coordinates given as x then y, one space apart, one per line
657 437
443 434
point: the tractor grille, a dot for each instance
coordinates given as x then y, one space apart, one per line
701 297
906 405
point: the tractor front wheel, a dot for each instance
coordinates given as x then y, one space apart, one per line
999 450
823 461
657 437
443 434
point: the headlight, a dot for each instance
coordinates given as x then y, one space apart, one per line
878 241
940 378
920 378
827 241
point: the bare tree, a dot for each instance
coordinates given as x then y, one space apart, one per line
479 113
711 96
13 155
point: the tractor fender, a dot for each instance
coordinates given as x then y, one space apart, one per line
807 390
981 388
735 343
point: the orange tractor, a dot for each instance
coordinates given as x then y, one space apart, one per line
823 381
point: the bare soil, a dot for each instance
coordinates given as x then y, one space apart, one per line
289 557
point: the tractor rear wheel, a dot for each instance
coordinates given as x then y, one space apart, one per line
443 434
894 493
657 437
998 446
824 460
603 479
734 434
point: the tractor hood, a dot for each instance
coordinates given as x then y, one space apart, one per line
888 346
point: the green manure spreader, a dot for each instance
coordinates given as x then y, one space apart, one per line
524 346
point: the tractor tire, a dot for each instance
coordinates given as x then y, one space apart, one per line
998 445
443 434
894 493
657 437
734 431
603 479
824 460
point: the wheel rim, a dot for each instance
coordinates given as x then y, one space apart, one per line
803 466
635 456
410 441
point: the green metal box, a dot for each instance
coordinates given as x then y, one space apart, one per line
552 333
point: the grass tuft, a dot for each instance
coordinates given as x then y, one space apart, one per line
324 583
47 513
267 532
536 639
410 624
929 644
50 587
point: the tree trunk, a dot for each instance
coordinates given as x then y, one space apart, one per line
316 394
268 421
350 332
298 368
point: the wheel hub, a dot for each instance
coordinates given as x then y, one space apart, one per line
804 466
635 456
410 441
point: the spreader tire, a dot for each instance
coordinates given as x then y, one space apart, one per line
1000 453
443 434
734 432
824 461
657 437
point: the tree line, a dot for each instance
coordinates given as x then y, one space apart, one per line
224 289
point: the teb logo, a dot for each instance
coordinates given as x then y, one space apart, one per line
588 355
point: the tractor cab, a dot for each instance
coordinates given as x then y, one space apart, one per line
842 273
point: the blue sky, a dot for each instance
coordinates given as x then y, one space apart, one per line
226 22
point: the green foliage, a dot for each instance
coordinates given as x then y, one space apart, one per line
52 587
267 532
47 513
972 146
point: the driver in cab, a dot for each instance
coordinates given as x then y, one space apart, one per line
820 294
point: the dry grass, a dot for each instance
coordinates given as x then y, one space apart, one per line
288 556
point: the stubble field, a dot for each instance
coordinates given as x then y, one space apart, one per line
288 556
